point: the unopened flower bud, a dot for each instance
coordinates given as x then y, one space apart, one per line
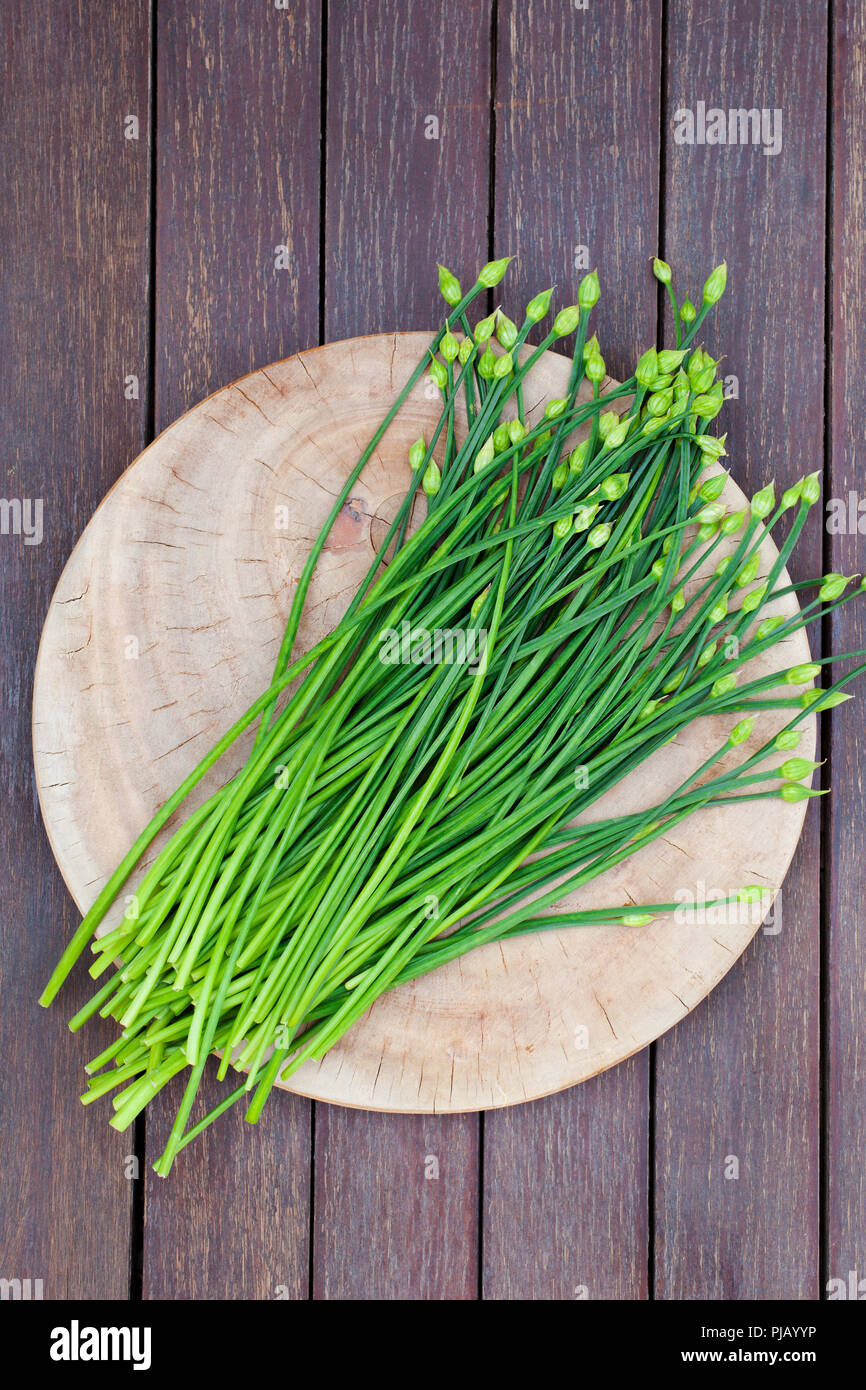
802 675
595 369
449 286
506 330
538 306
688 312
417 454
491 273
714 285
832 587
566 321
432 480
589 290
599 536
669 359
647 368
662 271
763 501
741 732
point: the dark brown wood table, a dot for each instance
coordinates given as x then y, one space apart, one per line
192 190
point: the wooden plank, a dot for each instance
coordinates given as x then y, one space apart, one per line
398 202
740 1077
73 325
845 1074
238 130
565 1179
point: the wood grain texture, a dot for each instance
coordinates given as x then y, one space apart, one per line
238 135
73 324
741 1077
846 922
396 203
574 152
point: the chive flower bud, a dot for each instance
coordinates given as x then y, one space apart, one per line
723 564
555 408
714 285
710 446
599 535
506 330
681 387
484 328
802 675
566 321
791 495
417 453
658 569
449 286
711 513
678 602
659 403
723 686
648 710
504 366
708 530
828 700
538 306
688 312
584 516
763 501
467 347
607 421
706 407
741 732
588 290
713 487
662 271
486 364
646 370
484 455
562 528
660 382
673 683
654 423
795 791
637 919
595 369
754 599
491 273
613 487
810 489
438 373
732 522
516 431
833 587
577 457
719 610
795 769
449 346
432 480
559 479
591 348
501 437
767 627
704 380
617 435
670 358
707 654
786 740
478 603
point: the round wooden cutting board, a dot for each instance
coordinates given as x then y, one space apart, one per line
164 627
